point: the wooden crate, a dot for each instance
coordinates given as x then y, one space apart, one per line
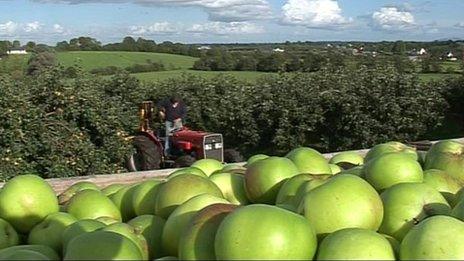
61 184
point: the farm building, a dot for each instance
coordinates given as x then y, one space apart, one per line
422 51
450 57
204 48
278 50
17 51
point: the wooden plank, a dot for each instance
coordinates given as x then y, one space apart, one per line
61 184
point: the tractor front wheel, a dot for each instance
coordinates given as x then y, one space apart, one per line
147 155
184 161
233 156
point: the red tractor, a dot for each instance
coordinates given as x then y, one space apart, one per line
186 147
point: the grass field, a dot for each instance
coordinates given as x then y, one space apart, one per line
176 65
92 60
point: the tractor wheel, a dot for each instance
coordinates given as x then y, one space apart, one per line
232 156
146 157
184 161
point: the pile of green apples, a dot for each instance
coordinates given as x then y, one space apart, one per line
392 203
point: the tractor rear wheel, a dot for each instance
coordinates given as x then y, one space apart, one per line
146 157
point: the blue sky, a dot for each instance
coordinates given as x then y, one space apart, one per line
196 21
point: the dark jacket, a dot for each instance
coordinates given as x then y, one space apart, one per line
179 112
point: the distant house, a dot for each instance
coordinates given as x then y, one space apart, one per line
16 51
358 51
204 48
278 50
422 51
450 57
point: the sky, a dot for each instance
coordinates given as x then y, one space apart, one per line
232 21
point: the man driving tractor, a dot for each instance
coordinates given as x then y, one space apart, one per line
173 111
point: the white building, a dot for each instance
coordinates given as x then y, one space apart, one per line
422 52
278 50
204 48
450 57
16 51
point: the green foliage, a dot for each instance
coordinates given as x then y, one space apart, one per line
39 62
330 110
58 126
399 47
4 47
430 65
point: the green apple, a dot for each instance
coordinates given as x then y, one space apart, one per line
92 204
180 218
49 232
390 169
72 190
123 201
44 250
232 186
394 243
436 238
264 178
144 197
151 227
390 147
350 157
447 156
108 220
309 161
355 244
335 169
78 228
294 189
256 158
35 197
458 197
344 201
444 183
102 245
24 254
113 188
407 204
131 233
208 166
265 232
188 170
317 181
458 210
179 189
8 235
197 240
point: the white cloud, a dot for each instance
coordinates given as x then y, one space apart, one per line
59 29
393 19
314 14
8 28
32 27
221 28
156 28
459 25
218 10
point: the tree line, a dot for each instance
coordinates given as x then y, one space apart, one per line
128 44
